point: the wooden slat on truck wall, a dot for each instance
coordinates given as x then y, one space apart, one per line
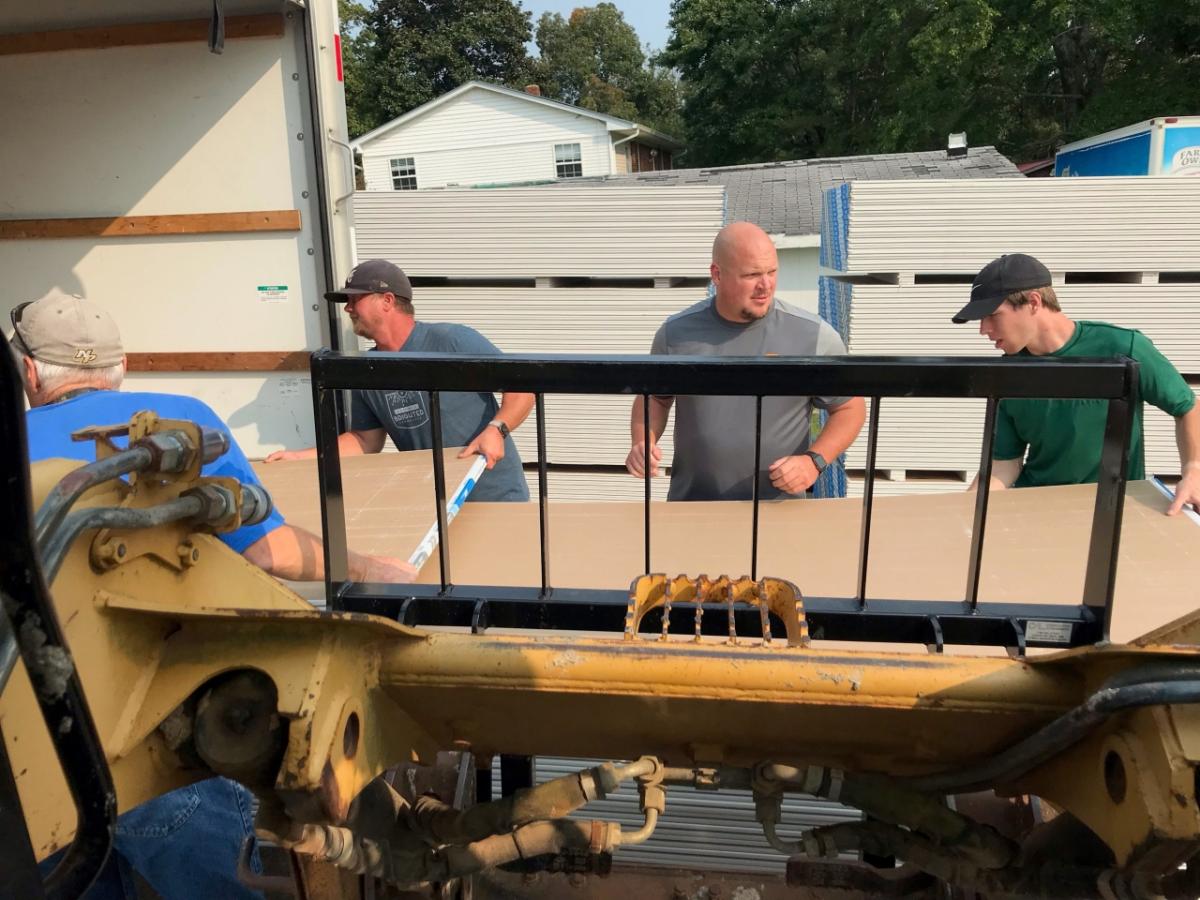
138 34
248 361
140 226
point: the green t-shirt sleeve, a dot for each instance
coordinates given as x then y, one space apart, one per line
1008 444
1159 381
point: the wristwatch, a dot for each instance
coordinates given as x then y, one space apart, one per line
500 427
818 460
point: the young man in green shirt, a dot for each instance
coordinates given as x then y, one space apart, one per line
1045 442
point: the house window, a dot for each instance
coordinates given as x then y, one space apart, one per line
568 161
404 174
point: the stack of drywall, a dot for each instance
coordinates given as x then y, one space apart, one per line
572 270
629 232
1072 225
1121 250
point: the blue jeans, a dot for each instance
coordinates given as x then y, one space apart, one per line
185 844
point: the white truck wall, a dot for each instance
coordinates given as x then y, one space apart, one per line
165 130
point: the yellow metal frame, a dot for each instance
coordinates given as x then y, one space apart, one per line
149 635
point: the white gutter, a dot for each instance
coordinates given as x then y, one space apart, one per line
637 130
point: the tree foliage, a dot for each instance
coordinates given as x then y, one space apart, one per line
399 54
786 79
592 58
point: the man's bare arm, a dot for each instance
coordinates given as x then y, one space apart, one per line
514 409
351 443
796 474
1187 436
1005 473
298 555
660 410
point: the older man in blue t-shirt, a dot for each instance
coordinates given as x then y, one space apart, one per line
184 843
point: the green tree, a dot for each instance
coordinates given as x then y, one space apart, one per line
592 58
402 53
777 79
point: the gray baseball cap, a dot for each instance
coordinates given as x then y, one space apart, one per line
374 276
67 330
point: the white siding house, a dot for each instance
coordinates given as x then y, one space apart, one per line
485 134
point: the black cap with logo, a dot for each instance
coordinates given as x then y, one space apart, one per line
999 279
374 276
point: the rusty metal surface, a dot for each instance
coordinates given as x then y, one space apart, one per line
768 595
1134 783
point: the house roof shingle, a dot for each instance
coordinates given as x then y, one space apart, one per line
786 197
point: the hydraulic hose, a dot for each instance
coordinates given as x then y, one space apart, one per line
1120 693
883 799
64 494
165 451
550 800
208 504
60 542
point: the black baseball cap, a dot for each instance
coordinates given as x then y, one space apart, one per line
374 276
1002 278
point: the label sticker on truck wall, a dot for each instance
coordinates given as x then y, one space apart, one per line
272 293
1048 632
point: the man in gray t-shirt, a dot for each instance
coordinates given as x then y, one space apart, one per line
378 298
714 436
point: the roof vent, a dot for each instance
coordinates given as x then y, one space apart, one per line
533 90
956 144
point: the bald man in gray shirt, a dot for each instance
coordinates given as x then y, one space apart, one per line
714 436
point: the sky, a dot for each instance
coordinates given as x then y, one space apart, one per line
648 17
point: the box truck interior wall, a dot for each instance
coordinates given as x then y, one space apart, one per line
181 188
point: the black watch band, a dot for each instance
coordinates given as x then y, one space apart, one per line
818 460
500 427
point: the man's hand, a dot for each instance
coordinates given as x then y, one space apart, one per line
793 474
635 462
390 569
488 443
1187 491
280 455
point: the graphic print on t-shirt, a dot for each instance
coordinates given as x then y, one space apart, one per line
407 408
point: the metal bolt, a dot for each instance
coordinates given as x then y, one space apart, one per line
315 307
189 554
311 251
110 553
295 76
300 136
304 194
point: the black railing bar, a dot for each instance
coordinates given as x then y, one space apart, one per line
983 489
333 501
828 620
754 491
439 488
543 491
729 376
387 596
647 440
868 501
1100 577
